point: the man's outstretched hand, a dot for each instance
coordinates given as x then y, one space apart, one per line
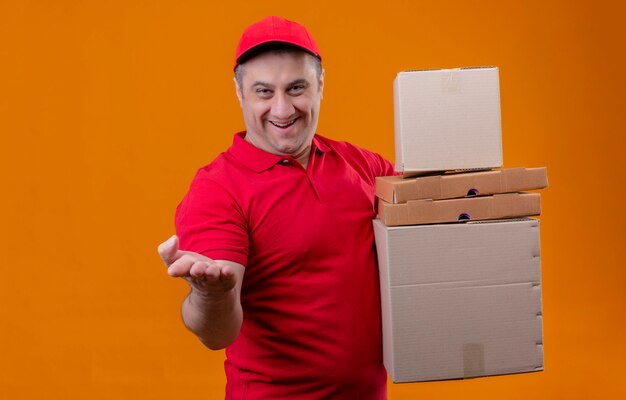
209 277
212 310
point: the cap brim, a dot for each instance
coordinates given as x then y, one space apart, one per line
265 46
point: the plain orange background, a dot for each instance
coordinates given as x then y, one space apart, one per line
107 108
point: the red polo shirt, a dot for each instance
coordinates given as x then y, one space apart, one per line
310 296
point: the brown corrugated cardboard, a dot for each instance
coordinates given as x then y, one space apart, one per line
508 205
395 189
447 119
460 300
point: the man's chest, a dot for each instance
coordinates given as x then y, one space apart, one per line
297 216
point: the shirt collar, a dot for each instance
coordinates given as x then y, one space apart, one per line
259 160
319 144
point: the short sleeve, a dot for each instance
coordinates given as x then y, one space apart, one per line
210 221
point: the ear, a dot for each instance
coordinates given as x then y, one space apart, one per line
321 83
238 92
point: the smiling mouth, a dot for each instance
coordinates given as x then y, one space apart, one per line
285 125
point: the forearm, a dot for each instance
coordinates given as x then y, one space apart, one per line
216 321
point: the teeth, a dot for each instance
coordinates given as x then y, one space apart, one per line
286 124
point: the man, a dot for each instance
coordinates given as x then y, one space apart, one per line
291 211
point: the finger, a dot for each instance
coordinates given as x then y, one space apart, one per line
228 281
213 272
168 249
227 273
180 267
198 268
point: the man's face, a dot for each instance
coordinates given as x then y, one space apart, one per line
280 100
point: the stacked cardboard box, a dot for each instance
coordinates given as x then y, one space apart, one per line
459 299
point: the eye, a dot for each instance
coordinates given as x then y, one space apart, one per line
297 89
263 92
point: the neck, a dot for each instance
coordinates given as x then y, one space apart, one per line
302 157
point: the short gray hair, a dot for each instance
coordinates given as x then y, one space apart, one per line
278 49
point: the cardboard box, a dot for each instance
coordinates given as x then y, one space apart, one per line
447 119
395 189
460 300
507 205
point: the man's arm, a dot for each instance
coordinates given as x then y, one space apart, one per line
212 310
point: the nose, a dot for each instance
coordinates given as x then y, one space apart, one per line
282 107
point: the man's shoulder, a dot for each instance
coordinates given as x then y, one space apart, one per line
213 169
342 146
358 157
213 185
224 164
348 149
221 171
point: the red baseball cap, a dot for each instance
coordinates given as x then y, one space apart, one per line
274 30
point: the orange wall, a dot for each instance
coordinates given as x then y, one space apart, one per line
107 108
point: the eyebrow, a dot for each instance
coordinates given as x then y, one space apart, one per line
298 82
261 83
270 86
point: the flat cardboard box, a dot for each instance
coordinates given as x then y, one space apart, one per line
395 189
460 300
447 119
506 205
